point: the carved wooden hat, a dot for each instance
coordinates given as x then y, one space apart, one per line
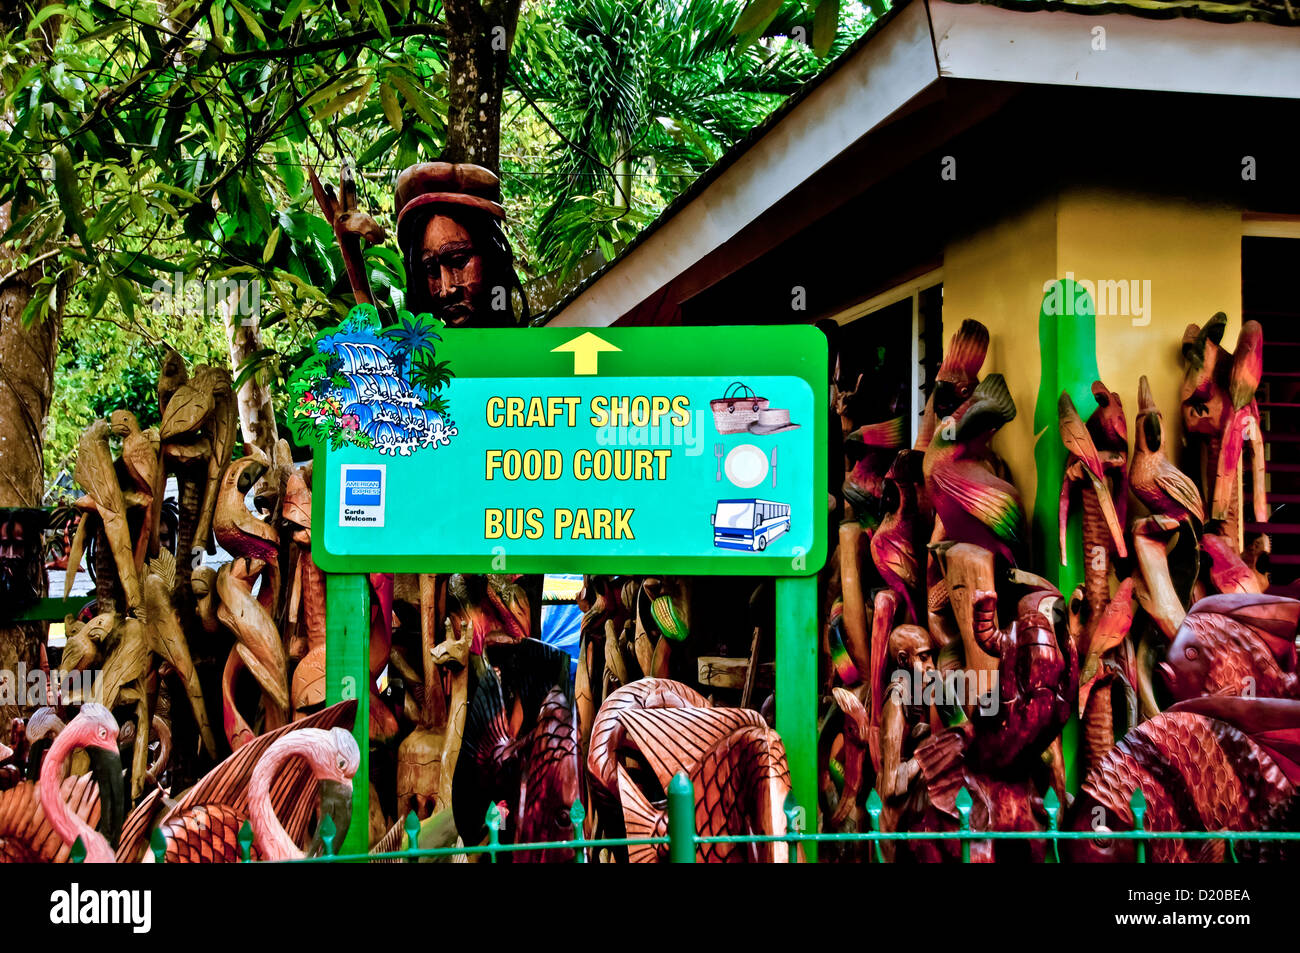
462 184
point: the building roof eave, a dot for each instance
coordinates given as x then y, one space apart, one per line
913 47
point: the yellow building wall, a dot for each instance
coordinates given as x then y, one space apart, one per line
1190 254
996 275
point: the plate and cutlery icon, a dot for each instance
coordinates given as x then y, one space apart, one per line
746 465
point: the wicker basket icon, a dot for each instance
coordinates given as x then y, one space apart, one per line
737 408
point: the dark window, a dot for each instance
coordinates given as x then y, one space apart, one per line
1268 296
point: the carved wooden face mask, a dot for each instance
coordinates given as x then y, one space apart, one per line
20 538
453 270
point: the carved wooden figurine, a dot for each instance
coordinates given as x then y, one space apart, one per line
956 379
419 757
1239 644
1192 762
202 824
734 760
40 822
208 833
897 546
531 760
1218 404
975 505
609 734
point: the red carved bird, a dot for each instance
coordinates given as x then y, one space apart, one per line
1109 432
1243 380
894 546
956 378
1085 457
1159 484
975 505
1229 571
873 448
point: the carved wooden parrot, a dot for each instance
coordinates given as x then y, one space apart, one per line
1165 489
975 505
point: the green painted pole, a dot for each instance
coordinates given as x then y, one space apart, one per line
681 820
347 676
1067 348
796 690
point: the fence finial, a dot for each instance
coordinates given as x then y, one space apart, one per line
327 834
158 844
681 819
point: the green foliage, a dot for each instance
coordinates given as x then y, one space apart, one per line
141 146
146 142
640 97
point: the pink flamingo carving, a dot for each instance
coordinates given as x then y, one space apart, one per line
208 833
94 729
333 756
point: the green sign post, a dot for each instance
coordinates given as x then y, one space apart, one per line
685 451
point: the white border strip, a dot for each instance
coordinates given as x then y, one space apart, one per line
978 41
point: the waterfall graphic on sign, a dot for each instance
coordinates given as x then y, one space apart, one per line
374 387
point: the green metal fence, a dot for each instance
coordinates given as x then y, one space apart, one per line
683 840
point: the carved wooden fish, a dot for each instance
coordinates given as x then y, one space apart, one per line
1240 644
1204 764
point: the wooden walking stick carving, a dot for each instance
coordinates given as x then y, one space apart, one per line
855 610
453 653
1086 465
167 639
96 473
1097 472
350 225
419 757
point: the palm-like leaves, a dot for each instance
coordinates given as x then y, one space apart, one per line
413 336
432 375
646 95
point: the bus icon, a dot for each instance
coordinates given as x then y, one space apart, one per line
748 524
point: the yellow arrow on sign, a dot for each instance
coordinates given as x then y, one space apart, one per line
586 348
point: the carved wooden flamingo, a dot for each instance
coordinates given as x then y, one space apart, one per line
334 758
293 795
25 837
208 833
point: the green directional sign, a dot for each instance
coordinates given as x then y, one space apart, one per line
628 450
693 451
